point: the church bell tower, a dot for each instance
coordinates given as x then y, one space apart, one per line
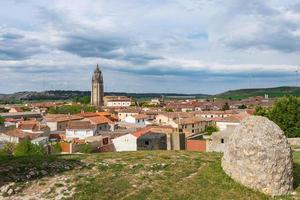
97 92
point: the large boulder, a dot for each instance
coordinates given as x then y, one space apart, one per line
258 156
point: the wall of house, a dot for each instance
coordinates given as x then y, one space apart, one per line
224 125
196 145
52 126
122 116
126 142
81 134
102 127
7 138
118 103
162 120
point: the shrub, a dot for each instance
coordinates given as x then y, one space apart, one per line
210 129
85 148
56 148
26 148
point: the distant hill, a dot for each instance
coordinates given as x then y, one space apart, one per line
272 92
67 95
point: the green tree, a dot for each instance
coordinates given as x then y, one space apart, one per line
85 148
169 110
261 111
2 120
225 106
242 107
210 129
26 148
286 114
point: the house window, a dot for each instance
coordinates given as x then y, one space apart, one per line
146 142
222 140
193 131
193 125
180 130
105 141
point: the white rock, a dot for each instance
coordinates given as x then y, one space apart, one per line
258 156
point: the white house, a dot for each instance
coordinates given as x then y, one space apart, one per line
230 121
126 142
117 101
80 130
139 119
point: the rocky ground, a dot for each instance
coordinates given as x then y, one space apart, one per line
136 175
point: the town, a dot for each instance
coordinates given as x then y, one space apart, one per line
117 124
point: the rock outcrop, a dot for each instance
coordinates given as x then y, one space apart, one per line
258 156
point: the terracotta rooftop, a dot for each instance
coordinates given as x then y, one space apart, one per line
81 125
100 120
62 118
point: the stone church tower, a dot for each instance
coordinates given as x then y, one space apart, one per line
97 92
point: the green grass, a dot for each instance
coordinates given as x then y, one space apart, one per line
157 175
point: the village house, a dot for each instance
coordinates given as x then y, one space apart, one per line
60 122
123 113
191 126
15 110
117 101
230 121
152 141
16 135
79 130
139 119
101 123
127 142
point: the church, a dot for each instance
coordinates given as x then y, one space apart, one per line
97 92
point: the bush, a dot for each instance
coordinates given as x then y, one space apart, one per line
1 120
26 148
56 148
85 148
210 129
71 109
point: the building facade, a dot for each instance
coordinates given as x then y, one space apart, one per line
97 92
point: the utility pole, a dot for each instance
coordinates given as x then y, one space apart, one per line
297 71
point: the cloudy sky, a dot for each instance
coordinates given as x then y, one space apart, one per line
184 46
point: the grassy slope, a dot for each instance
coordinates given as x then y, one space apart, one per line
150 175
272 92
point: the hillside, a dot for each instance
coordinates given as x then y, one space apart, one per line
272 92
136 175
67 95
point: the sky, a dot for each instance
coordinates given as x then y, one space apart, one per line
182 46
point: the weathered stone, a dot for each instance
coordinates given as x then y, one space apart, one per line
258 156
10 191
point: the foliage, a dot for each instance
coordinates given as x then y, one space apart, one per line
285 113
26 148
242 107
71 109
169 110
56 148
259 110
85 148
9 148
225 106
2 120
83 100
210 129
3 110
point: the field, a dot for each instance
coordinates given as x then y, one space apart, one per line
136 175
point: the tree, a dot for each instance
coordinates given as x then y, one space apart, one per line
26 148
85 148
9 148
169 110
2 120
242 107
285 113
261 111
225 106
210 129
